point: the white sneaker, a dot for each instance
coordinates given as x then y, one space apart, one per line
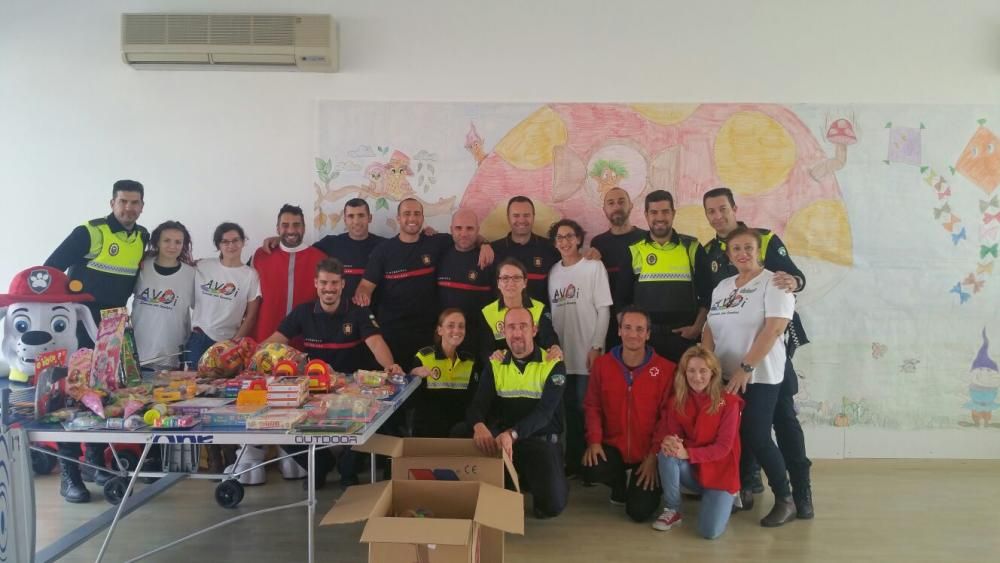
250 456
290 469
668 519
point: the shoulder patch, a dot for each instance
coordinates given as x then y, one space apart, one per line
558 379
782 251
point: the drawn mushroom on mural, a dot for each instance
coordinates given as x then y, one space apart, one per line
841 134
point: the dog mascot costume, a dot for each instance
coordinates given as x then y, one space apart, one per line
40 314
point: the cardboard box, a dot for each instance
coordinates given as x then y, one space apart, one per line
460 512
447 459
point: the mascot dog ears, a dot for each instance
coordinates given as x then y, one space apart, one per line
40 314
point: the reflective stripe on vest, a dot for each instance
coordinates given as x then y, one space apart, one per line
511 383
671 262
494 316
114 253
444 373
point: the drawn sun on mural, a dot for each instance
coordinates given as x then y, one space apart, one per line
566 156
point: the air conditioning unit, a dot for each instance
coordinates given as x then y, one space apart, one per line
230 41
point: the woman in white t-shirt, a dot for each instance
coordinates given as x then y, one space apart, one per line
580 303
745 325
163 297
226 295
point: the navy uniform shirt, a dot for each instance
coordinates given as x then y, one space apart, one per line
336 338
405 274
464 285
353 254
538 255
614 251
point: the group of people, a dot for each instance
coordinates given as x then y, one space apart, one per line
648 362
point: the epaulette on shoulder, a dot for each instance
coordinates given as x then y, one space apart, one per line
98 222
687 239
426 351
466 356
762 232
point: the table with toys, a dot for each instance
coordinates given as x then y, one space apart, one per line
240 394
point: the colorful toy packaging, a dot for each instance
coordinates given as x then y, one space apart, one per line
267 357
227 358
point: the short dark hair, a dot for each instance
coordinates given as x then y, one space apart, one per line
659 195
634 310
577 229
719 192
520 199
400 206
330 265
127 186
153 246
292 209
358 202
224 228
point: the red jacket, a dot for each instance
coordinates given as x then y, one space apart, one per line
711 440
623 407
276 271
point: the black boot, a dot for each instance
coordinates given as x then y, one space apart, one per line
756 485
95 456
746 499
782 513
71 486
803 503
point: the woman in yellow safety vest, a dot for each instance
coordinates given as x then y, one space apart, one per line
447 373
512 283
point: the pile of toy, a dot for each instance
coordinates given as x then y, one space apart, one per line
237 385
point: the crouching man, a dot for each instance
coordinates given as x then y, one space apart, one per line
517 409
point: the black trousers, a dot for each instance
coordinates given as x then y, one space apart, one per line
434 420
576 389
538 461
755 434
788 431
640 504
539 465
669 345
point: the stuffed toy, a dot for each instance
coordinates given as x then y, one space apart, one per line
40 314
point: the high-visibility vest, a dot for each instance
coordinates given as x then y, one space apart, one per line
445 373
114 253
665 275
511 383
494 315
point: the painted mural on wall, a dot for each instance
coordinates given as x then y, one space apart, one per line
891 211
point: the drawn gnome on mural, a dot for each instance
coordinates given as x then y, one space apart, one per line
983 388
40 314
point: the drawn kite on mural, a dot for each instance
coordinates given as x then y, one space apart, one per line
905 144
383 182
763 152
980 160
983 387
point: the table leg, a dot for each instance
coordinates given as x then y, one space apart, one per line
124 501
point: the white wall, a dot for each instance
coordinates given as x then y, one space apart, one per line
213 146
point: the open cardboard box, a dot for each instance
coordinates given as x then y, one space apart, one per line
447 459
461 512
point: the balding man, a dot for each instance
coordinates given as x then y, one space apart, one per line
462 282
517 409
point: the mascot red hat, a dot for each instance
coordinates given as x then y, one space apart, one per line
43 284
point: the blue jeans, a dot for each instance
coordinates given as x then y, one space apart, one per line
716 505
196 345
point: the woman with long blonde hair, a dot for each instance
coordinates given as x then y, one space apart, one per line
699 444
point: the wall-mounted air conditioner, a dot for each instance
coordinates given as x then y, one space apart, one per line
230 41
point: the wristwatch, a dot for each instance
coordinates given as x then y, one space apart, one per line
513 434
746 367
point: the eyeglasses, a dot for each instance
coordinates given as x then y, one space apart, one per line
570 236
509 279
229 242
